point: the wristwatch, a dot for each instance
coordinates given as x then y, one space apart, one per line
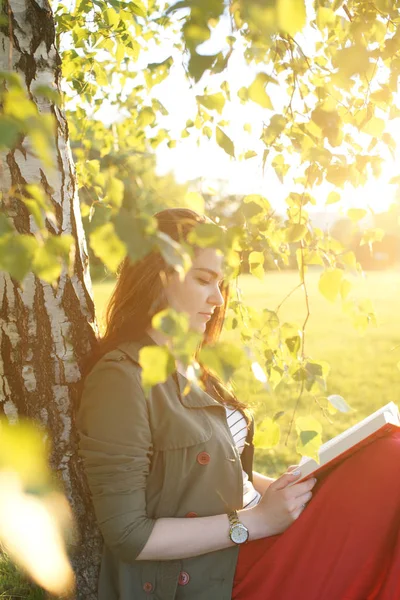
238 533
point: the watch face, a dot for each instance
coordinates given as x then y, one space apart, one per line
239 534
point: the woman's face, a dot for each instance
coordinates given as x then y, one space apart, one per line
198 294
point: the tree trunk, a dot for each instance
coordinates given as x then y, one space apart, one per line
44 332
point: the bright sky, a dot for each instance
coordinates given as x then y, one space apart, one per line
216 169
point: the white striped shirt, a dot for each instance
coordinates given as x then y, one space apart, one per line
238 426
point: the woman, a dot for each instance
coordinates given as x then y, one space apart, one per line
180 509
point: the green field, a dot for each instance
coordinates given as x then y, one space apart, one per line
363 366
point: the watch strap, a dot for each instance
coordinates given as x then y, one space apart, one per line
233 518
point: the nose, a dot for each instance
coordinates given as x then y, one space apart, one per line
216 299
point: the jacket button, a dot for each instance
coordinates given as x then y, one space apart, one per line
184 578
148 587
203 458
191 515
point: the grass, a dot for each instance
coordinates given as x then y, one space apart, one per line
363 366
14 585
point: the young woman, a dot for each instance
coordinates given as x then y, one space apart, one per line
181 511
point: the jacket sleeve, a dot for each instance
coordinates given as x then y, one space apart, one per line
116 447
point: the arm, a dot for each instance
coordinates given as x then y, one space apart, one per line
184 538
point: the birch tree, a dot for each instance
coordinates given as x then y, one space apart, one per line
45 329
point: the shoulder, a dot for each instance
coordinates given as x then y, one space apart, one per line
112 388
115 359
113 369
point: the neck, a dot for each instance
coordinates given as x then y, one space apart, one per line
159 338
163 340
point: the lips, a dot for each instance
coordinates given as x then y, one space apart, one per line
209 315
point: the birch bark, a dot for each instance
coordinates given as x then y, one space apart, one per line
44 331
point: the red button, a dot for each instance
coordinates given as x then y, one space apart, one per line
184 578
203 458
191 515
148 587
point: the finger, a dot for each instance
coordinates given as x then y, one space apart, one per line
303 500
298 511
285 479
292 468
303 487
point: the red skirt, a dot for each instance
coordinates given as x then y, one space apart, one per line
346 543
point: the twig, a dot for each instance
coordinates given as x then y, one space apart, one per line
294 411
288 296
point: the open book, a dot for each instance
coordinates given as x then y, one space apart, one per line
343 445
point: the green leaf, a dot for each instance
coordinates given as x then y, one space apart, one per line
257 93
107 246
207 235
111 17
267 434
339 403
374 126
332 198
325 17
330 283
138 8
212 101
50 257
256 262
171 323
9 132
146 117
307 436
222 358
22 450
114 190
46 266
137 232
309 441
351 60
356 214
48 92
291 15
173 253
157 365
5 225
225 142
42 138
295 232
198 64
16 254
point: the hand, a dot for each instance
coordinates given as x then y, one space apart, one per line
281 505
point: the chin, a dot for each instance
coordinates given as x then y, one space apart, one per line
198 327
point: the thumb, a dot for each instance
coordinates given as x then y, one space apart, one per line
284 480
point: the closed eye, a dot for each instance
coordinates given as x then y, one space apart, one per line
202 281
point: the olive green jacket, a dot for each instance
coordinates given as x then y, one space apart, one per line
166 454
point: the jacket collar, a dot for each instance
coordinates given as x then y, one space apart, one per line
132 347
190 395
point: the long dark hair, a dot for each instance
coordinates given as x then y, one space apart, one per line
139 294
